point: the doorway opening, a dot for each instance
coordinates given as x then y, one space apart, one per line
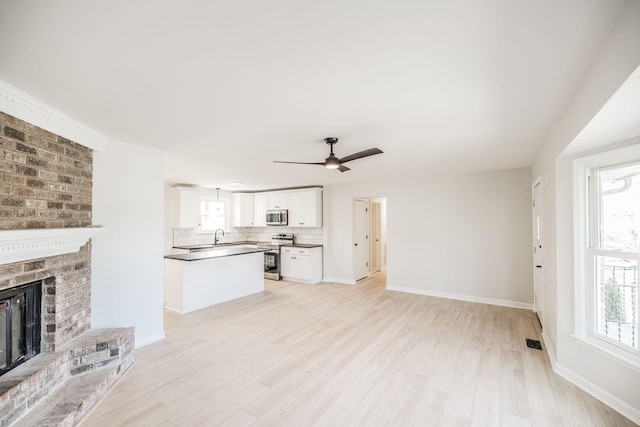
369 236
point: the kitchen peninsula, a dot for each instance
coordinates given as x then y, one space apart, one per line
199 279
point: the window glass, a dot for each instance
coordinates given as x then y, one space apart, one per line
617 299
620 208
213 215
616 253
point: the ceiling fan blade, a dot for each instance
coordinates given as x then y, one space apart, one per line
299 163
343 168
361 154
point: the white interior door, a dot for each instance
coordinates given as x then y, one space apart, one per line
360 239
538 252
376 237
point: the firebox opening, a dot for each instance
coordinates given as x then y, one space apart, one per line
20 330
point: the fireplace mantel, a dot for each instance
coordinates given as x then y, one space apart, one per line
24 245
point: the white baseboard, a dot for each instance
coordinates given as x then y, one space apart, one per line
340 281
550 352
470 298
150 339
602 395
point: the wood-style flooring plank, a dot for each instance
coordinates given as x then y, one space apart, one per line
331 355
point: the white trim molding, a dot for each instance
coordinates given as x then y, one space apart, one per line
24 245
150 339
18 104
603 395
470 298
338 281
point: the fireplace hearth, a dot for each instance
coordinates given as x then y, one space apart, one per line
20 333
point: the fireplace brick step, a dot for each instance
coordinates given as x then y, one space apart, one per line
72 399
58 388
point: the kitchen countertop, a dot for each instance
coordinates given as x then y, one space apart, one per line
211 245
218 253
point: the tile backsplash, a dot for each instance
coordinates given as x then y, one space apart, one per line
191 236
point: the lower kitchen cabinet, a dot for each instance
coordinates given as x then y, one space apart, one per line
301 264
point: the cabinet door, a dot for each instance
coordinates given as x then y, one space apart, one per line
260 208
243 213
305 208
295 266
278 200
188 208
297 209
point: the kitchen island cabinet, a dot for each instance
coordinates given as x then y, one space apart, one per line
199 279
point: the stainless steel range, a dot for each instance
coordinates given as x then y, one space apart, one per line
272 255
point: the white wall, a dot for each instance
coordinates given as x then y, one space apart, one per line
472 232
127 266
610 381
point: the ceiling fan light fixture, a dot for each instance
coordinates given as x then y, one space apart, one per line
332 163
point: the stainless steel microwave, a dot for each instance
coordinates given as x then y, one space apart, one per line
277 217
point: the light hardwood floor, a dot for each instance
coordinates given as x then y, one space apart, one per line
332 355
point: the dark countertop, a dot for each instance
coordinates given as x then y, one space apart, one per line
218 253
211 245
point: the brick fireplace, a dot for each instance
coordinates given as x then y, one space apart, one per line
45 235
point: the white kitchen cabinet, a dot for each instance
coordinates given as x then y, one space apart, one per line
301 264
260 209
278 200
187 208
243 210
305 208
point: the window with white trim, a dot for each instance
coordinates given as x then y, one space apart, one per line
214 213
614 251
608 300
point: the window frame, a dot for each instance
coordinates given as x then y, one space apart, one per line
227 212
586 228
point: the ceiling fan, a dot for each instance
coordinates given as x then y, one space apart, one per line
332 162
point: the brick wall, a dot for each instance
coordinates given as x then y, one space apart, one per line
45 179
46 182
66 293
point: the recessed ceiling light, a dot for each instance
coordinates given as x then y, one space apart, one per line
236 183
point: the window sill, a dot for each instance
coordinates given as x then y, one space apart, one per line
619 355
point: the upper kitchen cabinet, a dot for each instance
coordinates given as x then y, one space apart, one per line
187 207
260 209
305 208
243 210
279 200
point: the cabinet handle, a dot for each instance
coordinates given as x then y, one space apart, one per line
301 223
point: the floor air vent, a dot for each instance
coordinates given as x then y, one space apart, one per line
534 344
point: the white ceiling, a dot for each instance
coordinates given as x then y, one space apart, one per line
227 87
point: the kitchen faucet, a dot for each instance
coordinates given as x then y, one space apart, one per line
215 235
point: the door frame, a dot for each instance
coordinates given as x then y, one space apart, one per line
538 263
375 229
367 231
